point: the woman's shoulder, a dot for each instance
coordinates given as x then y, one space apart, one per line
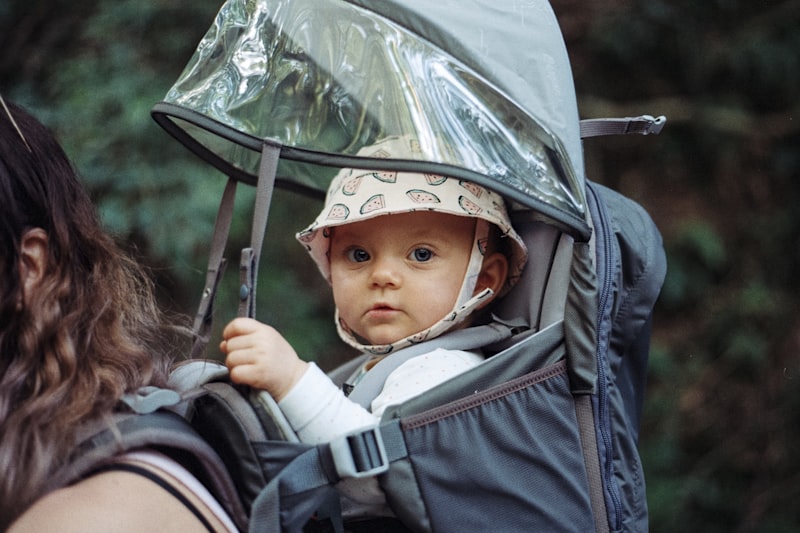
109 501
139 497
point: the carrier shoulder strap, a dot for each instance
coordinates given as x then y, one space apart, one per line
156 420
160 430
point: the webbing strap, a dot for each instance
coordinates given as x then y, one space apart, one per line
580 321
249 261
216 267
642 125
314 469
591 458
248 264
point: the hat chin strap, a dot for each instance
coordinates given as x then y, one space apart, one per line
465 304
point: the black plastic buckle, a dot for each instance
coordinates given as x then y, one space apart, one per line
360 454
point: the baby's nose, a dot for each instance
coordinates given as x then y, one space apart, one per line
385 272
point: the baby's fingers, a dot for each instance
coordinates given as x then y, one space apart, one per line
239 326
240 357
247 367
248 374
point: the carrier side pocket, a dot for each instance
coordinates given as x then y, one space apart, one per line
488 462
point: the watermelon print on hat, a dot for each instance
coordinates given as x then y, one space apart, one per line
356 195
374 203
338 212
418 196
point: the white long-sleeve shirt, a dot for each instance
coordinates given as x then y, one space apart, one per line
319 411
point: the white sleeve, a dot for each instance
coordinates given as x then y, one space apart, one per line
319 411
422 373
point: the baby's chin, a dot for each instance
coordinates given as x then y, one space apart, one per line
414 338
379 336
381 340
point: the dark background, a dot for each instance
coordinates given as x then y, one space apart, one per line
722 419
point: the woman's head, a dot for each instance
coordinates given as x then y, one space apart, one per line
78 322
80 274
36 189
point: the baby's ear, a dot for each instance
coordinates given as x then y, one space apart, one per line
33 258
493 275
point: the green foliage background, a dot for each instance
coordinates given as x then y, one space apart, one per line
722 420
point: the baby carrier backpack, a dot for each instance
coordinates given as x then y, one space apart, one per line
542 436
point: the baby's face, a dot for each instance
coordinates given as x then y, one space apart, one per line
396 275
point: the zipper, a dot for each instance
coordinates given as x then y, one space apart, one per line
603 315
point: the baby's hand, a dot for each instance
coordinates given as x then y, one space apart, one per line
259 356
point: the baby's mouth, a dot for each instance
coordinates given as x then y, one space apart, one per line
381 310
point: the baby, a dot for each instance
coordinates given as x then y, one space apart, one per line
409 256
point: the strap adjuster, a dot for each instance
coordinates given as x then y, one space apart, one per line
360 454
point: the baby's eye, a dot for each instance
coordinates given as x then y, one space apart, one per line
422 255
357 255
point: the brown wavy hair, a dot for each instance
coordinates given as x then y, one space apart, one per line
87 334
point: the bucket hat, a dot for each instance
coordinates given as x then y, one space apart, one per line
356 195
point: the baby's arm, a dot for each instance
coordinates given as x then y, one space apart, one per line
259 356
319 411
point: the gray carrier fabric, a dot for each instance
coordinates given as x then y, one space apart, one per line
506 457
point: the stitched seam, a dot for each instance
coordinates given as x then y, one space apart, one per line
491 394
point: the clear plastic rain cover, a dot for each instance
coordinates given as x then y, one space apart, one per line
325 78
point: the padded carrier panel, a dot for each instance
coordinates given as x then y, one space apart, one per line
495 427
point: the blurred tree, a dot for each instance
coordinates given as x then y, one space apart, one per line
92 71
721 423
